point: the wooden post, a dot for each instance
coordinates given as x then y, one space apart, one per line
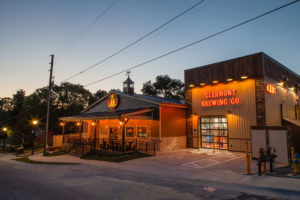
63 132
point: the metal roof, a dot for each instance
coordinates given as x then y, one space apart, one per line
157 99
129 81
109 114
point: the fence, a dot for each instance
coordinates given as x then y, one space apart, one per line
85 145
148 147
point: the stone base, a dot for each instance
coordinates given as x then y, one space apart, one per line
172 143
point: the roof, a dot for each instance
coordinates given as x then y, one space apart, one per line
152 99
110 114
157 99
129 81
293 121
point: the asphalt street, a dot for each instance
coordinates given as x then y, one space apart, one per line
110 181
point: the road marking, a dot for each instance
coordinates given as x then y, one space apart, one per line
194 164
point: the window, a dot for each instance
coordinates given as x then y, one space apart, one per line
129 131
214 132
141 131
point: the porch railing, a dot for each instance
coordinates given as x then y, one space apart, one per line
148 147
85 145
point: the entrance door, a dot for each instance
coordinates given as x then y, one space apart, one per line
214 132
113 132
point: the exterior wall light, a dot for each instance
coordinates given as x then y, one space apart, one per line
4 129
191 85
244 77
93 123
292 88
202 84
215 82
78 124
281 84
229 79
35 122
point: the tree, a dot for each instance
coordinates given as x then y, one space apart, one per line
100 93
165 87
5 108
18 124
97 95
149 89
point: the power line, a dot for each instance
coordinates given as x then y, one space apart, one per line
176 50
84 30
80 34
196 42
136 41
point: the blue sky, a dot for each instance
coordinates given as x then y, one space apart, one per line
31 30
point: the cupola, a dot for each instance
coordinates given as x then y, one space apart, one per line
128 84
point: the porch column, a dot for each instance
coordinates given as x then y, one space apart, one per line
123 122
94 124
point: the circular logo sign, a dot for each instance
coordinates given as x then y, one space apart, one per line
112 101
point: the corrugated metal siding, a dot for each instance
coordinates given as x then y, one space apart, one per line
242 115
173 122
287 98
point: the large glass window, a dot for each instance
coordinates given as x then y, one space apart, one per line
141 131
214 132
129 131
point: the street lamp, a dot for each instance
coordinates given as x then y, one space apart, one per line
34 123
4 129
62 124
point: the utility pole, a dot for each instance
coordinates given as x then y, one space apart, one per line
48 107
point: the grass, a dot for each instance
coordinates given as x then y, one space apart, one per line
27 160
116 158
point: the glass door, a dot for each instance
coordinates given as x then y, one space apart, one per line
113 132
214 132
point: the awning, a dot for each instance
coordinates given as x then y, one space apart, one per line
293 121
133 113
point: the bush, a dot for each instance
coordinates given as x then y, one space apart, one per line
66 147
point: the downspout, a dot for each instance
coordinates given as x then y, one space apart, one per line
159 123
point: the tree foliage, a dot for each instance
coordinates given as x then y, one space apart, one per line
165 87
66 99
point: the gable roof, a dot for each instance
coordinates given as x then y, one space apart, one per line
109 114
146 98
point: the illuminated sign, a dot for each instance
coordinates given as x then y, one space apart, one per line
112 101
271 89
221 98
221 93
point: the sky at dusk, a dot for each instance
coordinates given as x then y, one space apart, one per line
31 30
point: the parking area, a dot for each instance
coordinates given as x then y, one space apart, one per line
210 159
203 160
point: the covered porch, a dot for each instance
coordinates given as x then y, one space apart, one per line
118 130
